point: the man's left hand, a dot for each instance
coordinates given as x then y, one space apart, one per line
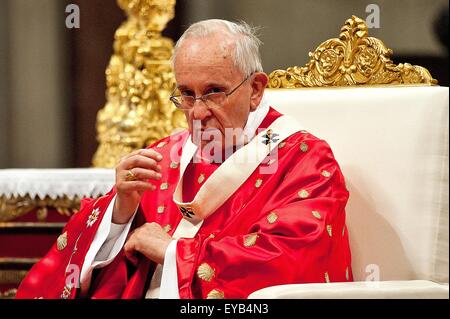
150 240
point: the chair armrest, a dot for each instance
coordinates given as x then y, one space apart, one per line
410 289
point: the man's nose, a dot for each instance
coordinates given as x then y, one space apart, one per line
201 111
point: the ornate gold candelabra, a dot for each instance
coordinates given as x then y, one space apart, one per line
139 81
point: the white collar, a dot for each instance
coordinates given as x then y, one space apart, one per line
256 117
231 174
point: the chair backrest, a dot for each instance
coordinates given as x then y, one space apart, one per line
392 146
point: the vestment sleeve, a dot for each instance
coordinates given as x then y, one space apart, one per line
57 274
106 245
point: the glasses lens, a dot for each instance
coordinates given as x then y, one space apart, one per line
215 99
182 102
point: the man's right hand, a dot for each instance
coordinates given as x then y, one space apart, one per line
132 179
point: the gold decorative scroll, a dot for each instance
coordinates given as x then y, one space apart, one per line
352 59
9 294
14 207
139 81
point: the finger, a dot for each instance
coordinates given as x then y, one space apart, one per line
130 252
143 174
140 161
136 152
150 153
139 186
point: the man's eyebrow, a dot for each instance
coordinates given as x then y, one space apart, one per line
181 87
208 85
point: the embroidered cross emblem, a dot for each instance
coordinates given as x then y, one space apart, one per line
186 212
269 137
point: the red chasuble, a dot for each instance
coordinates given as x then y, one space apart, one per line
287 227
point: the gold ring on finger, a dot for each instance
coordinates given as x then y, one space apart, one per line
130 176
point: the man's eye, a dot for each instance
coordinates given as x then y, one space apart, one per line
214 90
187 93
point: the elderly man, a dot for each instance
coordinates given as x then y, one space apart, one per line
253 200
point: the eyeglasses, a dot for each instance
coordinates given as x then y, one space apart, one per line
213 99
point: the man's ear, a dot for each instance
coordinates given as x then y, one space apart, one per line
258 84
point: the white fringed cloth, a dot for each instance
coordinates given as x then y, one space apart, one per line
56 183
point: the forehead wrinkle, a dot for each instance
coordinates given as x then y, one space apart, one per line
215 45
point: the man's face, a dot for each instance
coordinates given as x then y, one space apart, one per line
205 65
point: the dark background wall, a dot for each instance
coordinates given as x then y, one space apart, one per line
52 79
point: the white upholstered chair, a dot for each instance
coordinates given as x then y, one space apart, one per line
388 127
392 146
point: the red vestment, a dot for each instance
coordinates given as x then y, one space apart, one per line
282 228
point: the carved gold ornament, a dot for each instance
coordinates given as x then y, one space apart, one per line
17 206
139 81
352 59
205 272
9 294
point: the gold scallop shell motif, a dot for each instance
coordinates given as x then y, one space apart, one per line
303 147
316 214
250 240
303 193
61 242
329 230
272 217
205 272
215 294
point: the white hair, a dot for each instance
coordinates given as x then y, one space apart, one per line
246 55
